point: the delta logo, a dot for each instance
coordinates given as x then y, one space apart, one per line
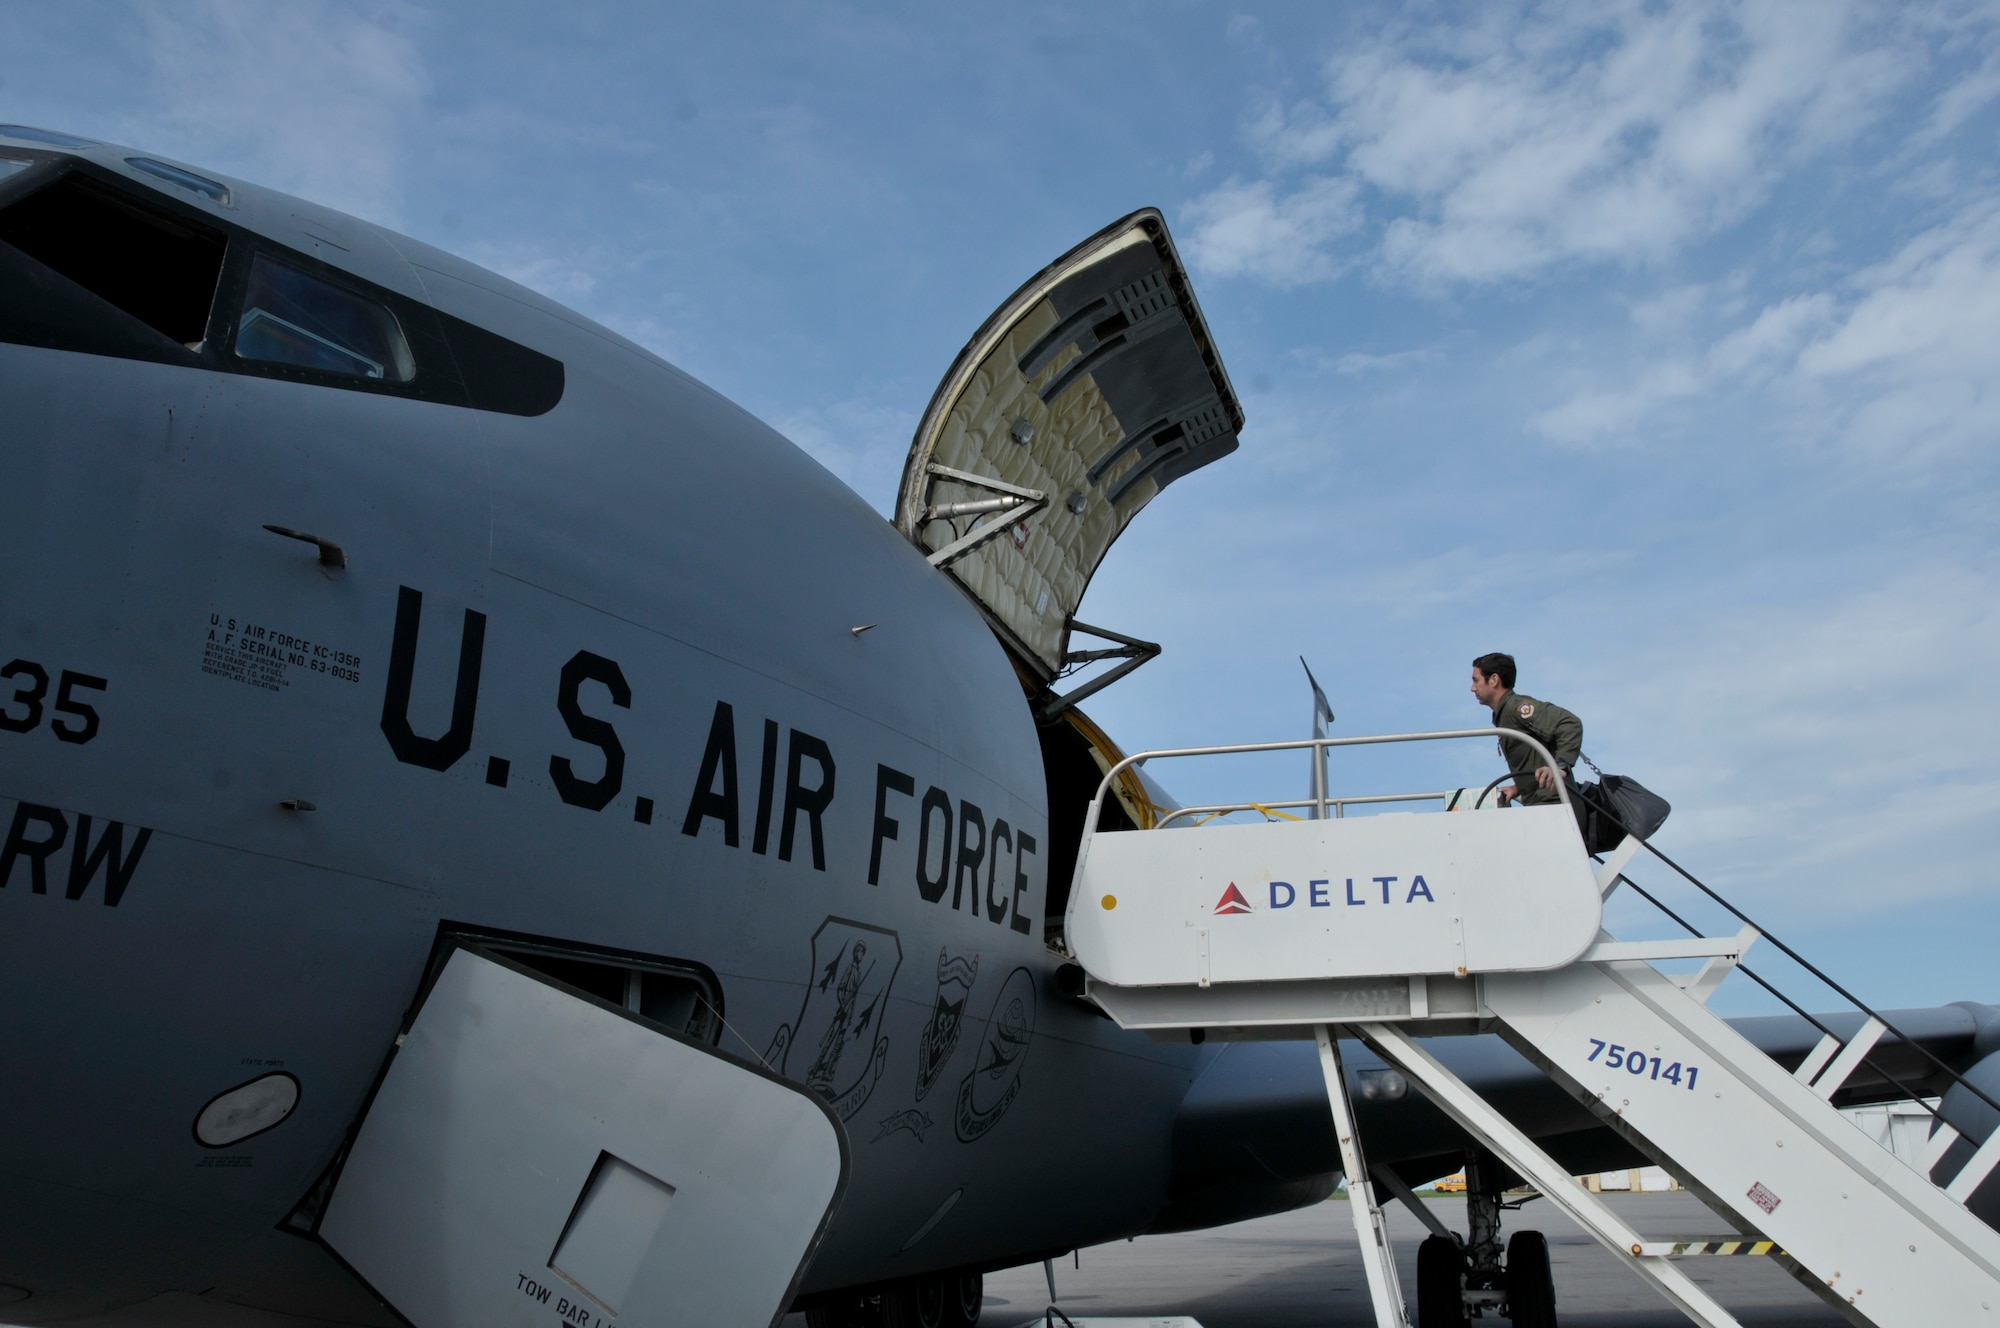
1328 892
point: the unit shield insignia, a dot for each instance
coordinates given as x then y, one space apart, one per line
995 1081
955 977
837 1044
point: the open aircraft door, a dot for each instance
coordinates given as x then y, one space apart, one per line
1093 388
534 1156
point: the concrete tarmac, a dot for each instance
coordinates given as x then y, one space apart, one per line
1303 1269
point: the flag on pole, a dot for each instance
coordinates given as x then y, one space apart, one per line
1322 717
1322 710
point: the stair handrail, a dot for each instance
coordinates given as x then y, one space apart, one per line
1562 789
1866 1010
1369 799
1301 744
1096 809
1813 1019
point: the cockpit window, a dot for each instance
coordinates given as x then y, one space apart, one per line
99 265
156 265
290 317
188 180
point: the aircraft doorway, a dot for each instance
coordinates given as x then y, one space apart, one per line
1075 755
680 996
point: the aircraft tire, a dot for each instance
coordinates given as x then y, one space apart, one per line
1531 1288
917 1304
964 1294
838 1316
845 1314
1440 1284
951 1300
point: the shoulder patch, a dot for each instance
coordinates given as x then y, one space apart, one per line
1527 709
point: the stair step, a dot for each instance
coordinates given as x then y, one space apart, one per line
1401 927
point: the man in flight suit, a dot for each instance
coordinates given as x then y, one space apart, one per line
1551 725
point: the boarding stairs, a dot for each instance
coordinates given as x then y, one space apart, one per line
1395 928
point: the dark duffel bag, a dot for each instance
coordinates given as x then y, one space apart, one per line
1618 805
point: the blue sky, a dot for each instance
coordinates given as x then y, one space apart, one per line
1654 343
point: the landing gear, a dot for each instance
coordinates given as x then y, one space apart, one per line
1458 1282
945 1300
1531 1290
849 1311
950 1300
918 1304
1485 1280
971 1288
1440 1284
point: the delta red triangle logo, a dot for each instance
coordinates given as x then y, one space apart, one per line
1232 901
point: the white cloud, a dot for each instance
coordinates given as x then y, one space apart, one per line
1672 310
317 99
561 277
1911 367
1760 349
1360 362
1566 132
1902 359
655 334
1964 99
1248 229
1773 337
1591 416
1834 753
863 442
1933 307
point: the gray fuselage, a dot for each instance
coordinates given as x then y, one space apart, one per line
643 521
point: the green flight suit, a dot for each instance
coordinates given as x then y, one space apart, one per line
1549 724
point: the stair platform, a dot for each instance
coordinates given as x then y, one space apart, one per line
1398 927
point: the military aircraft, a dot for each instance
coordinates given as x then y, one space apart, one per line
365 611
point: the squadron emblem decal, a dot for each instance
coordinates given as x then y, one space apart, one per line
955 974
916 1122
995 1079
847 998
1527 710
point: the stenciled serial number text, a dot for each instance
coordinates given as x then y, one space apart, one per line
261 655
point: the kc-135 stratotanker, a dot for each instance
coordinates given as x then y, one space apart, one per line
494 834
